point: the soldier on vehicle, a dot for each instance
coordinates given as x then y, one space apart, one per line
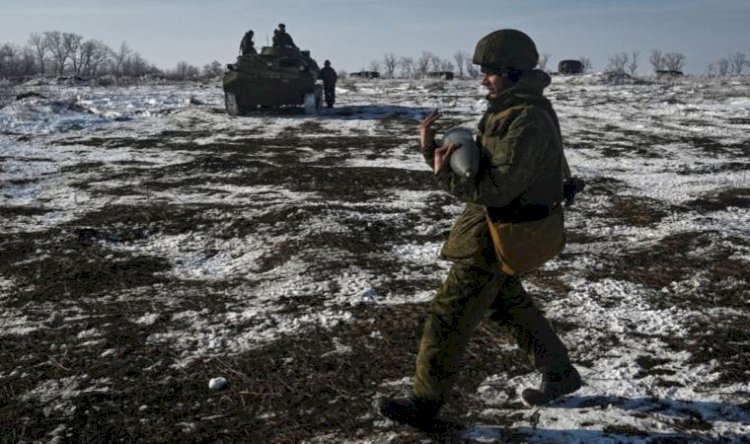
329 77
281 39
520 179
247 46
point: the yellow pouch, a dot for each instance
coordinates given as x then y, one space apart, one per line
525 246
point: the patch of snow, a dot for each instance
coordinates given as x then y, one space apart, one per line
56 395
147 319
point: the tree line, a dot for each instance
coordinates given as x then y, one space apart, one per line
629 62
392 66
66 54
731 65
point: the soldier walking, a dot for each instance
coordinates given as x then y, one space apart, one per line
520 177
329 77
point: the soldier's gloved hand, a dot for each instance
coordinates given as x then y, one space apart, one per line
571 187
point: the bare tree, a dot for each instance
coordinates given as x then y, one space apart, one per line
472 70
423 63
213 69
674 61
390 61
27 62
63 53
586 62
16 61
374 66
7 61
95 56
633 65
722 67
72 44
656 59
711 69
461 57
618 62
39 44
56 45
436 63
408 67
447 66
136 66
737 62
543 59
185 71
120 58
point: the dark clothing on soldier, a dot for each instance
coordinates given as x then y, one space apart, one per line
247 46
329 77
282 39
522 165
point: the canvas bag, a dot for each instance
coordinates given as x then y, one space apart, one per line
525 246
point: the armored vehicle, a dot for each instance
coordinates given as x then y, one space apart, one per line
276 77
570 67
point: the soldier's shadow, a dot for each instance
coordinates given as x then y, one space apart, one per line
495 434
692 411
692 417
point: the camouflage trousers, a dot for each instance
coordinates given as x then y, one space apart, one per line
468 294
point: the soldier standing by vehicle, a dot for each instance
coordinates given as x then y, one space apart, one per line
329 77
247 46
281 39
520 177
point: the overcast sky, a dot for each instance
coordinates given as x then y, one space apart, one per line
352 33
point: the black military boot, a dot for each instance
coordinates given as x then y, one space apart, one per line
554 385
412 410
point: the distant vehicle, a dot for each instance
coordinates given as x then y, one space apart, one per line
668 73
365 74
276 77
570 67
445 75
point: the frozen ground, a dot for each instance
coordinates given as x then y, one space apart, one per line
151 243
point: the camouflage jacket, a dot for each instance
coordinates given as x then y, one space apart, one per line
521 167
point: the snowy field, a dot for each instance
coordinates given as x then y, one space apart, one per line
151 243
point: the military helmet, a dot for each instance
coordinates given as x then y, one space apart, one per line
282 26
327 62
499 50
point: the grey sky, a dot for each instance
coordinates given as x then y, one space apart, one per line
351 33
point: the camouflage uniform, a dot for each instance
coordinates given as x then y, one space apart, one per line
520 179
521 168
